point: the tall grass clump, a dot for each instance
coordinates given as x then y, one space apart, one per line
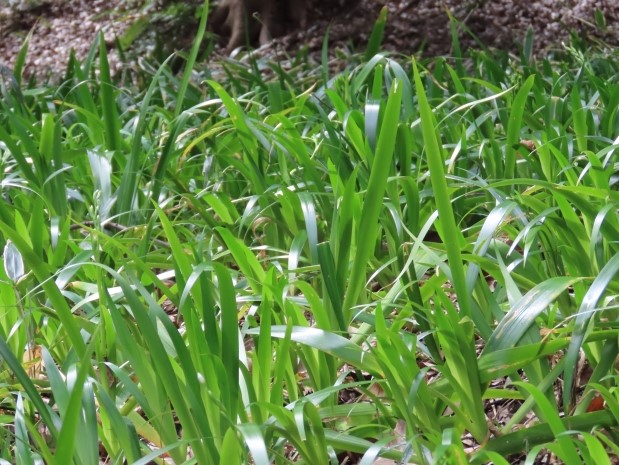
413 261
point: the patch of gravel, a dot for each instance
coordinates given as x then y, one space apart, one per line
57 27
502 23
61 25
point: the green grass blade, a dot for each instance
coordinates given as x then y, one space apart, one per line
585 313
376 36
327 267
41 270
128 189
111 119
514 127
51 420
229 339
330 343
523 314
247 262
368 224
193 54
450 233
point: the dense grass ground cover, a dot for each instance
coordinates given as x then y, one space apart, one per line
412 260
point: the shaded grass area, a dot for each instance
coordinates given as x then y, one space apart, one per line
409 260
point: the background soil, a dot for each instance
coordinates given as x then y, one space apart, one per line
413 25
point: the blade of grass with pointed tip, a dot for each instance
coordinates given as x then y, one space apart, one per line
453 238
514 127
229 338
50 150
455 329
107 100
376 36
86 107
244 258
127 190
585 313
193 54
368 224
20 60
579 116
327 268
523 314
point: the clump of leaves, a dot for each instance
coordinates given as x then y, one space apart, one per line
409 261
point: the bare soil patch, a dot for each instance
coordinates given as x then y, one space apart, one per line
412 25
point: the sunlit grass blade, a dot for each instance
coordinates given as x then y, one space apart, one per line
246 260
579 115
367 226
455 334
50 151
330 343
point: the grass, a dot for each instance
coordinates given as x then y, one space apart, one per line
414 260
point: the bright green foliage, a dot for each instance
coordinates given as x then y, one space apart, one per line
203 271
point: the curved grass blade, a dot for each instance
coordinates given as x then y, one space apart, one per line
514 127
193 54
543 433
368 224
520 318
335 345
50 419
107 97
376 37
41 270
254 439
127 190
128 440
584 315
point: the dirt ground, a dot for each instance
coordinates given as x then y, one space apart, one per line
412 25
